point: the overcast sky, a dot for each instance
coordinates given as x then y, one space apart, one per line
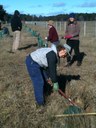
49 7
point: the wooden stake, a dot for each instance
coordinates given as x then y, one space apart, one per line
72 115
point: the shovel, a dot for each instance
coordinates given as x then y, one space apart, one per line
73 108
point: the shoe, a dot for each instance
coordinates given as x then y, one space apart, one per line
79 63
11 52
40 108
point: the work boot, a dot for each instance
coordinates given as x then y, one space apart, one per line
79 63
40 108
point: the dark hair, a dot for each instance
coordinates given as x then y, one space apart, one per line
59 47
16 12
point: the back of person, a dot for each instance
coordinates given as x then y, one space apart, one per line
16 26
16 23
40 56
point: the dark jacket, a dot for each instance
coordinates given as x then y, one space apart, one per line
52 63
53 35
16 23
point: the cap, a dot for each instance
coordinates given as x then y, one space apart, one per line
71 15
68 48
50 22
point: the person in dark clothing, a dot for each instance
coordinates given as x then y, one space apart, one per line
41 64
16 26
72 39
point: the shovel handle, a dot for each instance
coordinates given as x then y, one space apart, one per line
63 94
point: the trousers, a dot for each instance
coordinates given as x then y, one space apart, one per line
16 40
35 73
74 44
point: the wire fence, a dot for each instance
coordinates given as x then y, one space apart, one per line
87 28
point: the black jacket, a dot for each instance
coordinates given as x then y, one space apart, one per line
52 63
16 23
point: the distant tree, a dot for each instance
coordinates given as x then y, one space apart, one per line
81 18
2 13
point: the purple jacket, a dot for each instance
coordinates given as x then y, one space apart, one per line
53 35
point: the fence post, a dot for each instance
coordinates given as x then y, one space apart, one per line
95 28
46 24
84 28
64 25
60 26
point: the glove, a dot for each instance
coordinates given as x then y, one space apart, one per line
68 37
46 38
55 86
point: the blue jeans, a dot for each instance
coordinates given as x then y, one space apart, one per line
35 73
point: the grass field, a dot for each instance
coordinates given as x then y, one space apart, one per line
17 104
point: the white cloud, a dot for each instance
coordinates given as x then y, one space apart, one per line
60 4
87 4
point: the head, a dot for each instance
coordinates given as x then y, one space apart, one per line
72 17
17 13
50 23
63 50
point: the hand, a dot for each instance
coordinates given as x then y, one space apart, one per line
55 86
68 37
49 82
46 38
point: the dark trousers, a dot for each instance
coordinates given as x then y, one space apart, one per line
35 73
74 44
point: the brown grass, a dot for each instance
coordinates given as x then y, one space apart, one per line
17 103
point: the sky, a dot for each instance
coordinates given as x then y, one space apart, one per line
49 7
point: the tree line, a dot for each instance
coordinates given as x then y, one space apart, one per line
4 16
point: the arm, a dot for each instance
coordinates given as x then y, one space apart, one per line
52 63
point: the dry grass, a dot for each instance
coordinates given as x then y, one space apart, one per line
17 104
